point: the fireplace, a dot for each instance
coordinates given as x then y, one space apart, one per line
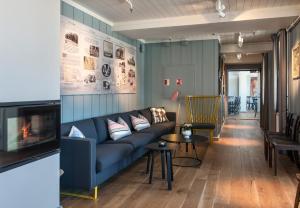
28 130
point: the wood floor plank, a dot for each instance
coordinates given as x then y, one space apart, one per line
233 174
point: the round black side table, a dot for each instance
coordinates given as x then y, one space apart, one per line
165 155
179 139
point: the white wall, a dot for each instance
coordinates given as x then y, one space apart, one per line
29 50
233 87
35 185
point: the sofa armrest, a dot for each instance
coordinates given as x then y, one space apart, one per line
171 116
78 161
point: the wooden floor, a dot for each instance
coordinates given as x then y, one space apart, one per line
233 174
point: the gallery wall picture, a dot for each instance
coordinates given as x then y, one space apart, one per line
296 61
93 62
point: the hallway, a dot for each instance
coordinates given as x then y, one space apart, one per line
233 174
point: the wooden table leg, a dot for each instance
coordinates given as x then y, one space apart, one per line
148 162
151 167
171 162
162 154
168 154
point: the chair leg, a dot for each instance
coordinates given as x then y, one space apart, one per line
296 158
297 197
270 155
187 147
266 144
275 161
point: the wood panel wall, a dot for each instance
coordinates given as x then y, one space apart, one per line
77 107
294 85
202 56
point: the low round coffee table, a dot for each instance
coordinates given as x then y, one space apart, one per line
179 139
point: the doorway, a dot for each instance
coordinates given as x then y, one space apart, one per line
243 94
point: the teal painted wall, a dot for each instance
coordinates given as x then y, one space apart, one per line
196 62
294 85
77 107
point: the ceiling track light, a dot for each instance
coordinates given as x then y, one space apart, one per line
130 5
240 40
220 7
239 56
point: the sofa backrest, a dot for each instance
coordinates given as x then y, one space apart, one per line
101 123
86 126
147 114
97 127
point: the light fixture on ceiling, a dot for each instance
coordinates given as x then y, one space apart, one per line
220 7
130 4
239 56
240 40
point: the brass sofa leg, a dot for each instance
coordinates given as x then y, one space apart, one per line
94 196
211 135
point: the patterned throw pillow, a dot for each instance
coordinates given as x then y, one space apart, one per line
158 115
139 123
75 132
118 130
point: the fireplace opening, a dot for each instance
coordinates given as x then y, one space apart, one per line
28 130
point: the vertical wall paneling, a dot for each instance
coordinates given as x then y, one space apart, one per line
79 107
196 62
294 85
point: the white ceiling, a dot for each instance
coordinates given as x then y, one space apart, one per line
117 10
160 20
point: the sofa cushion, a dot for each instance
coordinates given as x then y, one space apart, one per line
136 140
86 126
140 123
108 154
147 113
160 129
158 115
118 130
127 118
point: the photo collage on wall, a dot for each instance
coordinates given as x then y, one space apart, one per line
95 63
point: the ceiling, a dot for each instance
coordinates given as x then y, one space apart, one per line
165 20
117 10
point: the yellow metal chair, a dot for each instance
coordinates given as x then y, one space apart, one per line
202 112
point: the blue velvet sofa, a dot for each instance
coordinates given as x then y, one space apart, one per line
91 161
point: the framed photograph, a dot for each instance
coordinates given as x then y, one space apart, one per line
296 61
106 70
108 49
89 63
94 51
120 52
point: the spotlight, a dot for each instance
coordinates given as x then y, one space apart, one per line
239 56
131 5
240 40
220 7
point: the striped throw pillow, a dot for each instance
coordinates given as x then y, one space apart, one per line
159 115
118 130
139 123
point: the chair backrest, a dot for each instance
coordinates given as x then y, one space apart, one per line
295 127
288 128
202 109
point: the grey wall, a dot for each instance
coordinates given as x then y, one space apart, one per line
77 107
29 55
294 85
35 185
196 62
